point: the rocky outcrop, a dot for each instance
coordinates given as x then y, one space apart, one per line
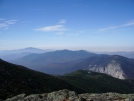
113 68
61 95
113 65
66 95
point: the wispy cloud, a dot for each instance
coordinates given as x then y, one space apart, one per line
10 22
62 21
130 23
58 29
51 28
114 27
5 24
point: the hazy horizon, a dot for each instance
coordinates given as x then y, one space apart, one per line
73 49
93 25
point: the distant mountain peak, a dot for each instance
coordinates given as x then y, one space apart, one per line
31 48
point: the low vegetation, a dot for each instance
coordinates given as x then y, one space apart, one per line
93 82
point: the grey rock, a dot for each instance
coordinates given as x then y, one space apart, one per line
114 69
63 95
66 95
17 98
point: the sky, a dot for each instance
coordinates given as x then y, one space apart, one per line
94 25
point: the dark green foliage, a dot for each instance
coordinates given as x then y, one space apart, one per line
93 82
15 79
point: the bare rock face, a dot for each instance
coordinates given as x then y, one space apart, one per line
113 65
66 95
113 68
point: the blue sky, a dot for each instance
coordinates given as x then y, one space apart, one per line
95 25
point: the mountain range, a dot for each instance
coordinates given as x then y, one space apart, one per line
65 61
56 62
18 53
121 53
16 79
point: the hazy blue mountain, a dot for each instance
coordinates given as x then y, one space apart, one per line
114 65
65 61
125 54
55 62
15 54
60 56
25 50
16 79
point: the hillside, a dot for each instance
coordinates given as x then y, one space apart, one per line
93 82
114 65
16 79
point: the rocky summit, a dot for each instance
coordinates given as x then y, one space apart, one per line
66 95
